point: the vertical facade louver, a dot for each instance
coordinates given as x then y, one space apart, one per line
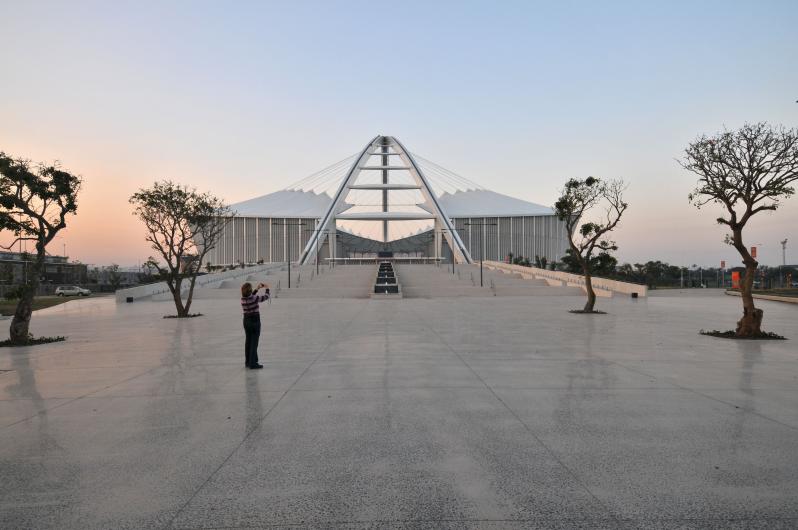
254 239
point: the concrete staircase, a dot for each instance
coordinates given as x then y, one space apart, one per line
231 287
511 284
357 281
342 281
430 281
349 281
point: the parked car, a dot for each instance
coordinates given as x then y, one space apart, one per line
71 290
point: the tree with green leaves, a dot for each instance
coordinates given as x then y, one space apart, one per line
602 264
745 172
578 200
182 226
148 272
114 278
34 204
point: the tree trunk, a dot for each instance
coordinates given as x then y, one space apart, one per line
19 332
175 286
751 323
591 294
190 293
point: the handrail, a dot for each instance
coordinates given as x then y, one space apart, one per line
403 259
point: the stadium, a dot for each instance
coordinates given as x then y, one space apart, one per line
387 202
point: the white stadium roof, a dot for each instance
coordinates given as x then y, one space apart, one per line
486 203
285 203
468 203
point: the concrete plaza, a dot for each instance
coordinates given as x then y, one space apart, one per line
491 412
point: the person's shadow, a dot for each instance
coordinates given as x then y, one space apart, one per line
254 402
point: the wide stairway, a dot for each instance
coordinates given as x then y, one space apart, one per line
276 276
342 281
350 281
358 281
430 281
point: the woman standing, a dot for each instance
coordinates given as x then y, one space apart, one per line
250 301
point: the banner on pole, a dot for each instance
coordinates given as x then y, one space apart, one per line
723 264
753 252
735 279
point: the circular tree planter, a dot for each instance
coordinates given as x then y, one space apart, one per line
732 335
33 341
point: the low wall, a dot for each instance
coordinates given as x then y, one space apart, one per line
143 291
774 298
602 286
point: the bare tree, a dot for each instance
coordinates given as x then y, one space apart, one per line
745 171
576 200
34 204
182 226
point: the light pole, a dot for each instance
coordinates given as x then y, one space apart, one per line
63 243
450 246
761 272
784 252
783 261
317 246
481 254
288 242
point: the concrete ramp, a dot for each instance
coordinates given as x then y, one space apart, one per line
604 287
231 279
231 289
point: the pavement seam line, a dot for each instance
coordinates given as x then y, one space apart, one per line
522 520
170 524
526 427
712 398
78 398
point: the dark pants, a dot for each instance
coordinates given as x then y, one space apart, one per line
252 330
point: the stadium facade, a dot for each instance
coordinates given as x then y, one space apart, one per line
386 201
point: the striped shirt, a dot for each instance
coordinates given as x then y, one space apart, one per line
250 303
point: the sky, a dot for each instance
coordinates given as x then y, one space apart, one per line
244 98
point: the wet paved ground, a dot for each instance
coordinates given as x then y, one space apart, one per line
448 413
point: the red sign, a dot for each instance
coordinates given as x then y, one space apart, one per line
722 264
735 279
753 252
